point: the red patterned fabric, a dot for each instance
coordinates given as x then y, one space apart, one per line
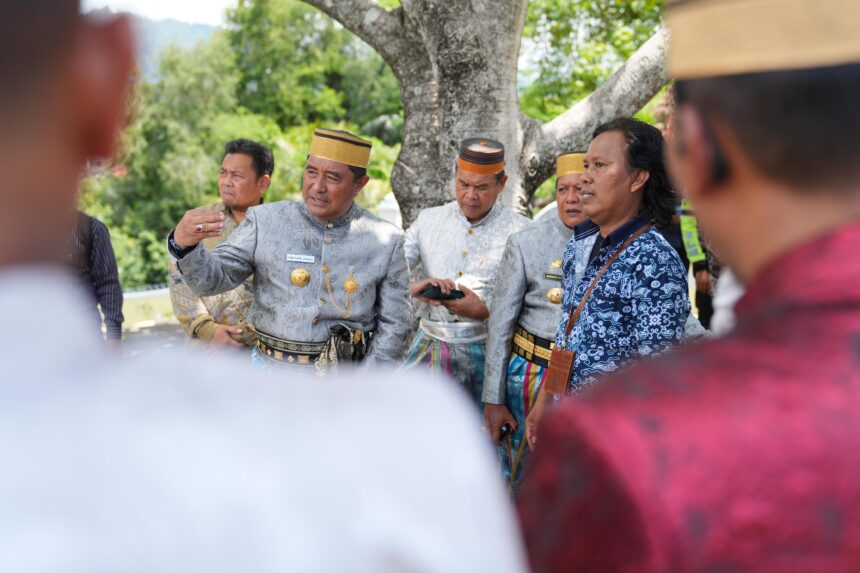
739 454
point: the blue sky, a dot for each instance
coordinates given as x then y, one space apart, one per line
198 11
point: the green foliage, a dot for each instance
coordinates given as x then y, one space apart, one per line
576 44
285 79
296 65
307 71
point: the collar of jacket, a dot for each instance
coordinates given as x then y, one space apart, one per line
341 221
491 214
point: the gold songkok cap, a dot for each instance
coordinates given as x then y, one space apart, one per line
569 164
481 156
340 146
712 38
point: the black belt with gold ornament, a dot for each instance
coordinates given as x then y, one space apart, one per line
532 347
350 345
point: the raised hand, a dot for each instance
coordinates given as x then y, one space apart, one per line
196 225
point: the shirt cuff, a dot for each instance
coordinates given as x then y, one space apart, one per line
113 331
206 330
175 250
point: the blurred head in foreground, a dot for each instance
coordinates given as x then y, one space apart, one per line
182 463
64 82
766 145
735 454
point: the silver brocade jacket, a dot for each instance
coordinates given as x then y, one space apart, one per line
277 239
446 245
527 292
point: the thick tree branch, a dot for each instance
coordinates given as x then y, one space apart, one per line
631 87
382 29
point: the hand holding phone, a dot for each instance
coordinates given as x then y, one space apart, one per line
435 293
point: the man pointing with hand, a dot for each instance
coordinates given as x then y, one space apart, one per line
330 278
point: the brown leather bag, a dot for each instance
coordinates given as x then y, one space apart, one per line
561 363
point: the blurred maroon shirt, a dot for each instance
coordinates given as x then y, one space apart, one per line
738 454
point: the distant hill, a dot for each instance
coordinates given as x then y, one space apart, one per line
155 35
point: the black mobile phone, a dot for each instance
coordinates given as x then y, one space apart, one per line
435 293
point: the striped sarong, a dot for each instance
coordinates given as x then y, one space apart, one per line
462 362
523 383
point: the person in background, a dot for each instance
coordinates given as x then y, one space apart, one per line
181 462
459 246
640 306
727 292
738 453
92 266
705 266
526 309
219 320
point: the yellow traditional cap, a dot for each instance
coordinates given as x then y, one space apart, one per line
570 163
726 37
481 156
340 146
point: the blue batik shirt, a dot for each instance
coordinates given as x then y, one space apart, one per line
576 258
638 307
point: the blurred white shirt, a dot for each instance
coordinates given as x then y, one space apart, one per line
727 293
186 463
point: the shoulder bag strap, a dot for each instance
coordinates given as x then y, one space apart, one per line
575 315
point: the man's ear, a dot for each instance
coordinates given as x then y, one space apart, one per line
264 182
359 185
101 82
639 180
692 158
503 182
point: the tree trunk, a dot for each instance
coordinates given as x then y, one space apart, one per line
456 61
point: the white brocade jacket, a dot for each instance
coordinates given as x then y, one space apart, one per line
444 244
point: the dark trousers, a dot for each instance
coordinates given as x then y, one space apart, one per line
704 302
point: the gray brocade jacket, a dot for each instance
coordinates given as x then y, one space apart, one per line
527 292
277 239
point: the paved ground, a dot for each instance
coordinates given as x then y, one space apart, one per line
152 340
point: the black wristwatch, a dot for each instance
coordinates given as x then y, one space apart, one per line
175 248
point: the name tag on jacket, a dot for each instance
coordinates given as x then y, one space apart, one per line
300 258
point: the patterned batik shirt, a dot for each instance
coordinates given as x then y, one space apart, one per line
639 306
576 259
